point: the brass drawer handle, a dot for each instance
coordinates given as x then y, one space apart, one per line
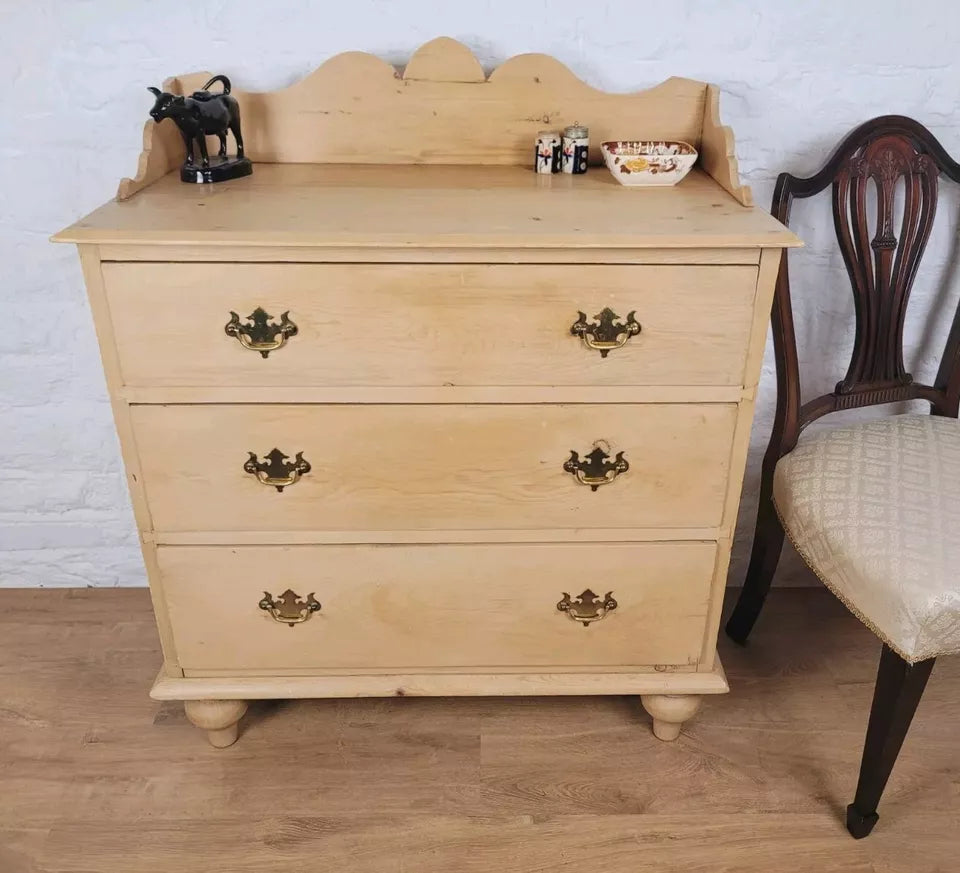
587 607
607 332
596 468
259 335
289 608
276 468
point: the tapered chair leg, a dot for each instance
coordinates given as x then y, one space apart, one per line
767 545
898 691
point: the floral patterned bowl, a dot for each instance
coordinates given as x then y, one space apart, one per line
647 162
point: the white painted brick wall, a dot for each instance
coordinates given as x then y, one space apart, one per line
795 78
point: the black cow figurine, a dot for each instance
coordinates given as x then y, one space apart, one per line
201 115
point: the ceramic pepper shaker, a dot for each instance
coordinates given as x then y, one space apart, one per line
576 146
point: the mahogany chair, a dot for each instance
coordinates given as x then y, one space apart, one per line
873 508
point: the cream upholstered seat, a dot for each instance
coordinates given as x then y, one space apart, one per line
874 510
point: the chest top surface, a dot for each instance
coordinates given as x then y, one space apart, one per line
439 154
460 206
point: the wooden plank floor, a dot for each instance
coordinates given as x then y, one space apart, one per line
97 778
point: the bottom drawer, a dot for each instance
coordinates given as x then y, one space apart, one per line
437 606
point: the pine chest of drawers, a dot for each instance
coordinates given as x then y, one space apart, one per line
401 417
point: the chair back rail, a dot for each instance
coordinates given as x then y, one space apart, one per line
881 272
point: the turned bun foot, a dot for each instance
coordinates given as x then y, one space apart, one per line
219 718
669 712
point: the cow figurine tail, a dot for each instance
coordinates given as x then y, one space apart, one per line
223 79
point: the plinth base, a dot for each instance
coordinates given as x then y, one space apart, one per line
220 170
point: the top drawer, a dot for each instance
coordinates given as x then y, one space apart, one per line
428 325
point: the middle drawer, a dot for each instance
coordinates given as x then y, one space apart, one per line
434 467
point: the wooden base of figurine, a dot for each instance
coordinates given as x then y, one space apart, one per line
220 170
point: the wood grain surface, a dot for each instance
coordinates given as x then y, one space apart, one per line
434 467
97 778
425 325
404 607
468 207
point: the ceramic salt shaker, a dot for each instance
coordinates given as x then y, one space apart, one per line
576 145
547 152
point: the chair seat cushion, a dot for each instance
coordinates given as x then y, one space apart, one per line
874 510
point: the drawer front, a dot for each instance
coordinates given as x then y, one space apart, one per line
434 467
428 325
398 607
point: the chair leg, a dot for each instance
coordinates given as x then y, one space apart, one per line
898 691
767 545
